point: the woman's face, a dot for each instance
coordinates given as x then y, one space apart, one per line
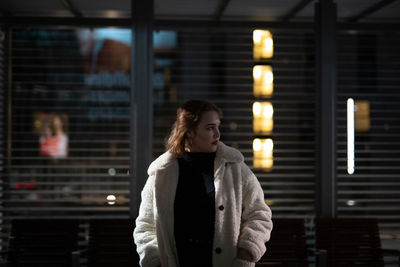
57 123
206 136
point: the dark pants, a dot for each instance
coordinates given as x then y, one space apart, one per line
194 253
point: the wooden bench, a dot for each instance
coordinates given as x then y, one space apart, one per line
111 243
349 242
42 242
287 246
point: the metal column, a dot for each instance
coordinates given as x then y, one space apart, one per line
325 30
141 97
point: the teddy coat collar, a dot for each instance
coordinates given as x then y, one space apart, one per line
224 154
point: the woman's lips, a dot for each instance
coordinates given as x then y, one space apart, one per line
215 143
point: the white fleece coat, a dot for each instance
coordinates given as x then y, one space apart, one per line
243 222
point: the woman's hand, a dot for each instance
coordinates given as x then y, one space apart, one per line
244 255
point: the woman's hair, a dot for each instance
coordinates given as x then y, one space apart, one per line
188 117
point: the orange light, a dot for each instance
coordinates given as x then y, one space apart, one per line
263 44
263 153
362 121
263 122
263 81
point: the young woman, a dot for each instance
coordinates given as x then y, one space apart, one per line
201 205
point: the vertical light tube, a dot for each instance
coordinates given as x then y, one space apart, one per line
350 136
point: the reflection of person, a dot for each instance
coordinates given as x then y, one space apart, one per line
201 205
53 142
48 146
61 137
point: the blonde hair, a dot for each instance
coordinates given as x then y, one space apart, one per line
188 117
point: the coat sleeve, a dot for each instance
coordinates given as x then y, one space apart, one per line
145 235
256 223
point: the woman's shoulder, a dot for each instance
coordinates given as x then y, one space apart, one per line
229 154
161 162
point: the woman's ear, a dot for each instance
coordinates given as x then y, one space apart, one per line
190 134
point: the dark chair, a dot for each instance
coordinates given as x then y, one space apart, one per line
349 242
42 242
111 243
287 246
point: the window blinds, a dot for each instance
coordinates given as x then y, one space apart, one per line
218 66
69 133
368 72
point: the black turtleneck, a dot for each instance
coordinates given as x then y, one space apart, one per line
195 209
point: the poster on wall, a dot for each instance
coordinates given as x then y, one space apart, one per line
53 137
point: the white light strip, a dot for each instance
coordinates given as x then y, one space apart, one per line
350 136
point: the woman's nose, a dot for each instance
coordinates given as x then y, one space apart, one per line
216 133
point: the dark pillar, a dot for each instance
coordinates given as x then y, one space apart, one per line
325 33
141 97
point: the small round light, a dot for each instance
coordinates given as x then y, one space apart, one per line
112 172
233 125
351 203
111 199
